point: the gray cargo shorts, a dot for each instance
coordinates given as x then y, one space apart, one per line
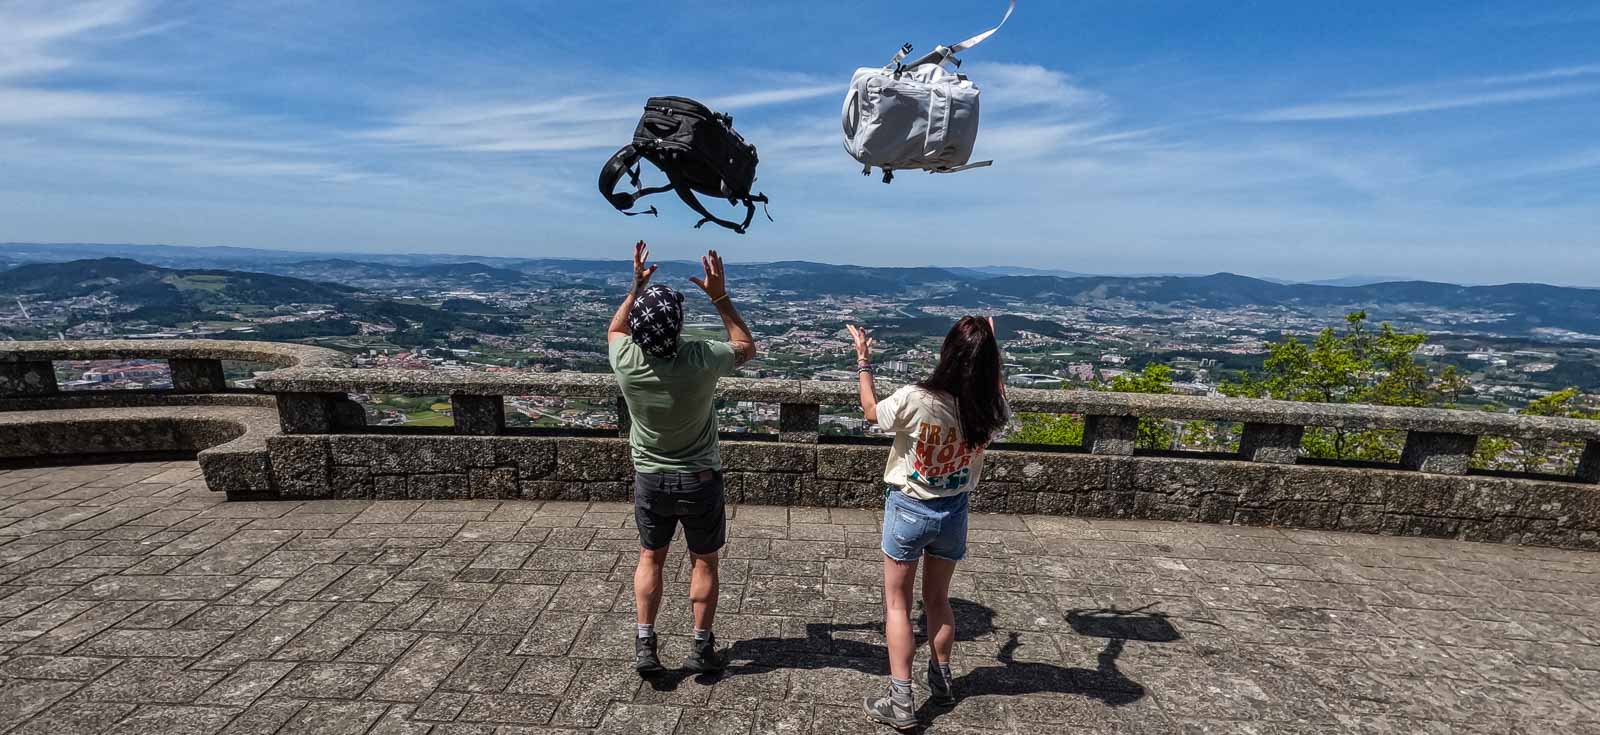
661 501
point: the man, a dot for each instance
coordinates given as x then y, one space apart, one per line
669 385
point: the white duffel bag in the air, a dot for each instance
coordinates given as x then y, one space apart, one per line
916 116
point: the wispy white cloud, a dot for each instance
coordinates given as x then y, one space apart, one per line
1526 17
1564 72
34 32
375 128
27 105
41 38
762 98
564 124
1568 163
1025 85
1351 109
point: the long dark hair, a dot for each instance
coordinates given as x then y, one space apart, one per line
969 372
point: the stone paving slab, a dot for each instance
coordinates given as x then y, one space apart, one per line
134 600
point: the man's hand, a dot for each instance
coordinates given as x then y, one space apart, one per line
641 273
864 342
740 337
714 284
641 278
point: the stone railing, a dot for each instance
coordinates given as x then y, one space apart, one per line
27 368
303 437
327 451
1438 441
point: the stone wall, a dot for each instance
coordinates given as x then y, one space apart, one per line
308 439
1207 490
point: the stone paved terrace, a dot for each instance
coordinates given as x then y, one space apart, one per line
134 600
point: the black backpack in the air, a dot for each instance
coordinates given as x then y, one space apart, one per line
697 149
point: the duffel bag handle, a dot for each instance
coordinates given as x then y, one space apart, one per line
851 115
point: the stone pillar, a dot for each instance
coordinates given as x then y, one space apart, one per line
1589 465
1443 454
316 413
36 378
1271 443
197 376
1110 434
624 419
478 415
799 422
347 414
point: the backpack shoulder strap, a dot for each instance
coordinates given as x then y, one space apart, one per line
984 36
943 54
625 161
689 198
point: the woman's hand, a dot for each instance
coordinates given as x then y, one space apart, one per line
863 342
642 273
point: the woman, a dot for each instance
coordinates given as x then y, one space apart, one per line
941 427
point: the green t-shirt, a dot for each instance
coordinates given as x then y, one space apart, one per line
672 404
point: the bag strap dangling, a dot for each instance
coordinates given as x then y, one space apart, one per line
626 161
942 54
984 36
689 198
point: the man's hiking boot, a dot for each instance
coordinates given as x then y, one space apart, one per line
704 658
645 660
885 711
940 690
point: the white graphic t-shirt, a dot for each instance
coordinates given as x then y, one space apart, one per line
929 460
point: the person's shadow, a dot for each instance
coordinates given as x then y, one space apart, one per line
822 648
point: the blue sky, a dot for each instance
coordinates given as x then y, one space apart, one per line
1445 140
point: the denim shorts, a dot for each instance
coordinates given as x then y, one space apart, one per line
911 526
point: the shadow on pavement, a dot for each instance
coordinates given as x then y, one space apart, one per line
821 648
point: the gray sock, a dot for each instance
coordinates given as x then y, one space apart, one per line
646 630
702 635
900 692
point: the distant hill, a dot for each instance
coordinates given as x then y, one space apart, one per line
1352 280
1008 326
219 256
171 296
1008 270
353 271
1512 309
149 285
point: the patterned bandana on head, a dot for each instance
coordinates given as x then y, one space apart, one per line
656 320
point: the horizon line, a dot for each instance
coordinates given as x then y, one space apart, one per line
1062 273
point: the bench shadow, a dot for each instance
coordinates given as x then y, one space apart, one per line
821 648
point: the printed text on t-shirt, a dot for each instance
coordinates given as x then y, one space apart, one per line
942 459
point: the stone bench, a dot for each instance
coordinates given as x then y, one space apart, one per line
226 428
230 441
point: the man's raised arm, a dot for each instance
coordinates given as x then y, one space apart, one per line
641 278
716 288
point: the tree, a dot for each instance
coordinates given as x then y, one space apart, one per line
1154 378
1451 385
1055 428
1048 428
1551 456
1355 366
